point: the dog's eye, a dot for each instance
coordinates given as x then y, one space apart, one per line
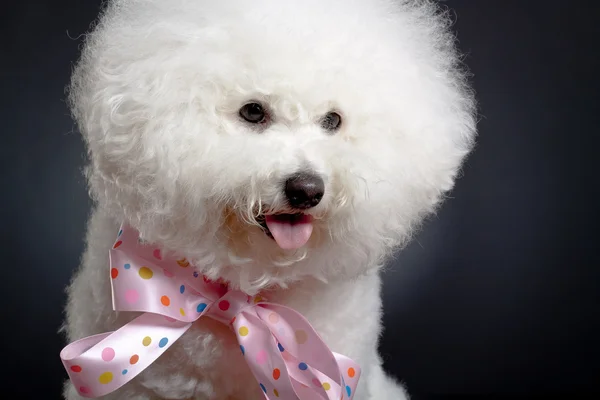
331 122
253 113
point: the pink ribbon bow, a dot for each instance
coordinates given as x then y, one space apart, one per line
287 357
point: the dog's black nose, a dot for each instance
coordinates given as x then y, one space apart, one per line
304 190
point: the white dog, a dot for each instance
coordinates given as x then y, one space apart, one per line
285 147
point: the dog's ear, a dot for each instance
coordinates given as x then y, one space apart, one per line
421 119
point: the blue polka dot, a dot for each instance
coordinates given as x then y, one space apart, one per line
182 289
201 307
120 233
280 347
302 366
124 372
195 274
163 342
127 266
243 350
349 391
263 387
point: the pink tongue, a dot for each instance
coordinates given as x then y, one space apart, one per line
290 231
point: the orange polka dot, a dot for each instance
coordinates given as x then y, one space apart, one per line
165 301
134 359
351 372
114 273
76 368
273 318
276 373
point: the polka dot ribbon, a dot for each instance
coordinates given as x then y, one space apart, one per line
286 355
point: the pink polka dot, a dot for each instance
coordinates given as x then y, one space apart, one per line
156 254
84 390
168 273
224 305
261 357
108 354
316 382
132 296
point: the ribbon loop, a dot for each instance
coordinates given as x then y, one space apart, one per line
101 364
285 354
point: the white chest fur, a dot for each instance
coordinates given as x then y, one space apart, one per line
206 362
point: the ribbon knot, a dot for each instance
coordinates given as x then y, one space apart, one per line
285 354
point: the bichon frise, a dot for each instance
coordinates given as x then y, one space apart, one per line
284 148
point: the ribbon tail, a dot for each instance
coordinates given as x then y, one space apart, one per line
350 377
261 353
100 364
310 361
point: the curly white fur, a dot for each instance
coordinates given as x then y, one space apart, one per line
156 96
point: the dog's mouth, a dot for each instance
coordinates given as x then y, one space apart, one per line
290 231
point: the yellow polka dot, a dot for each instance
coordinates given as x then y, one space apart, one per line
301 336
146 273
147 340
243 331
275 392
258 299
183 263
105 378
181 311
326 385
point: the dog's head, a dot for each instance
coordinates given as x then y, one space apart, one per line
272 140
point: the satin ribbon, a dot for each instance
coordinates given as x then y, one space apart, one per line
286 356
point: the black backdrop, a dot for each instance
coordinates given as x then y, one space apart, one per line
499 293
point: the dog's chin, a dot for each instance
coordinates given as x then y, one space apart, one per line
290 231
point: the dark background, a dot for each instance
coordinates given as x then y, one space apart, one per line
498 294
